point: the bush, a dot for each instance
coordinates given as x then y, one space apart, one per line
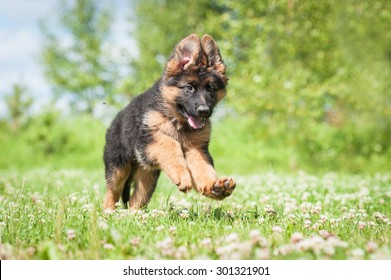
52 140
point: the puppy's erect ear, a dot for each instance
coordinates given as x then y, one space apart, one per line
212 52
186 53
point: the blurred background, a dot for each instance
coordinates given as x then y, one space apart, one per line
309 88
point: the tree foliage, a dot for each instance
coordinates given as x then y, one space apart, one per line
316 73
74 56
18 104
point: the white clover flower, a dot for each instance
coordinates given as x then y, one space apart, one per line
168 242
159 228
102 224
254 234
73 198
296 237
305 196
262 254
292 216
269 209
115 235
166 247
36 198
307 223
230 214
361 225
357 254
180 252
157 213
237 206
144 216
317 209
316 226
206 243
305 206
233 237
323 219
88 207
135 241
371 224
184 214
183 204
336 242
285 250
71 234
329 250
325 234
371 247
277 229
109 211
379 216
172 230
264 199
108 246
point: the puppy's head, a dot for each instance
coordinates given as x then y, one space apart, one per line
194 80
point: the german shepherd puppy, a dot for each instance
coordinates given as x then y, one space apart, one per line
168 128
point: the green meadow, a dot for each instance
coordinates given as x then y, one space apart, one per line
51 207
305 130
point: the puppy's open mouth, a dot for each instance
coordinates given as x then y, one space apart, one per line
194 122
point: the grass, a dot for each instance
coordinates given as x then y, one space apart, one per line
51 214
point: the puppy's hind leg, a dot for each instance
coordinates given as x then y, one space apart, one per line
144 185
126 189
115 181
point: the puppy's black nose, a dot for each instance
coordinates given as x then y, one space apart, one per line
203 111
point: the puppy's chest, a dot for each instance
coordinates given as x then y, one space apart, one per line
157 124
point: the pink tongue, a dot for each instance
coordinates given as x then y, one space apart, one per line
195 122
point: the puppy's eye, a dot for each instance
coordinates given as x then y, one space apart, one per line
211 89
189 88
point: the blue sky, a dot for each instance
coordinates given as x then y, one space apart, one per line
20 41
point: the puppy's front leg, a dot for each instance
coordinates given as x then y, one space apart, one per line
168 155
200 164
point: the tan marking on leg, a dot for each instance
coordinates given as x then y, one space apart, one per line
144 183
167 153
115 185
202 172
205 178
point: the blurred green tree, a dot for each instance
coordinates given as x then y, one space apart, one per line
18 103
160 25
315 73
74 54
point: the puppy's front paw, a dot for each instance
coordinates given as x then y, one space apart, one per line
220 189
185 183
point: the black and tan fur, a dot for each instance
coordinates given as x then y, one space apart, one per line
168 128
